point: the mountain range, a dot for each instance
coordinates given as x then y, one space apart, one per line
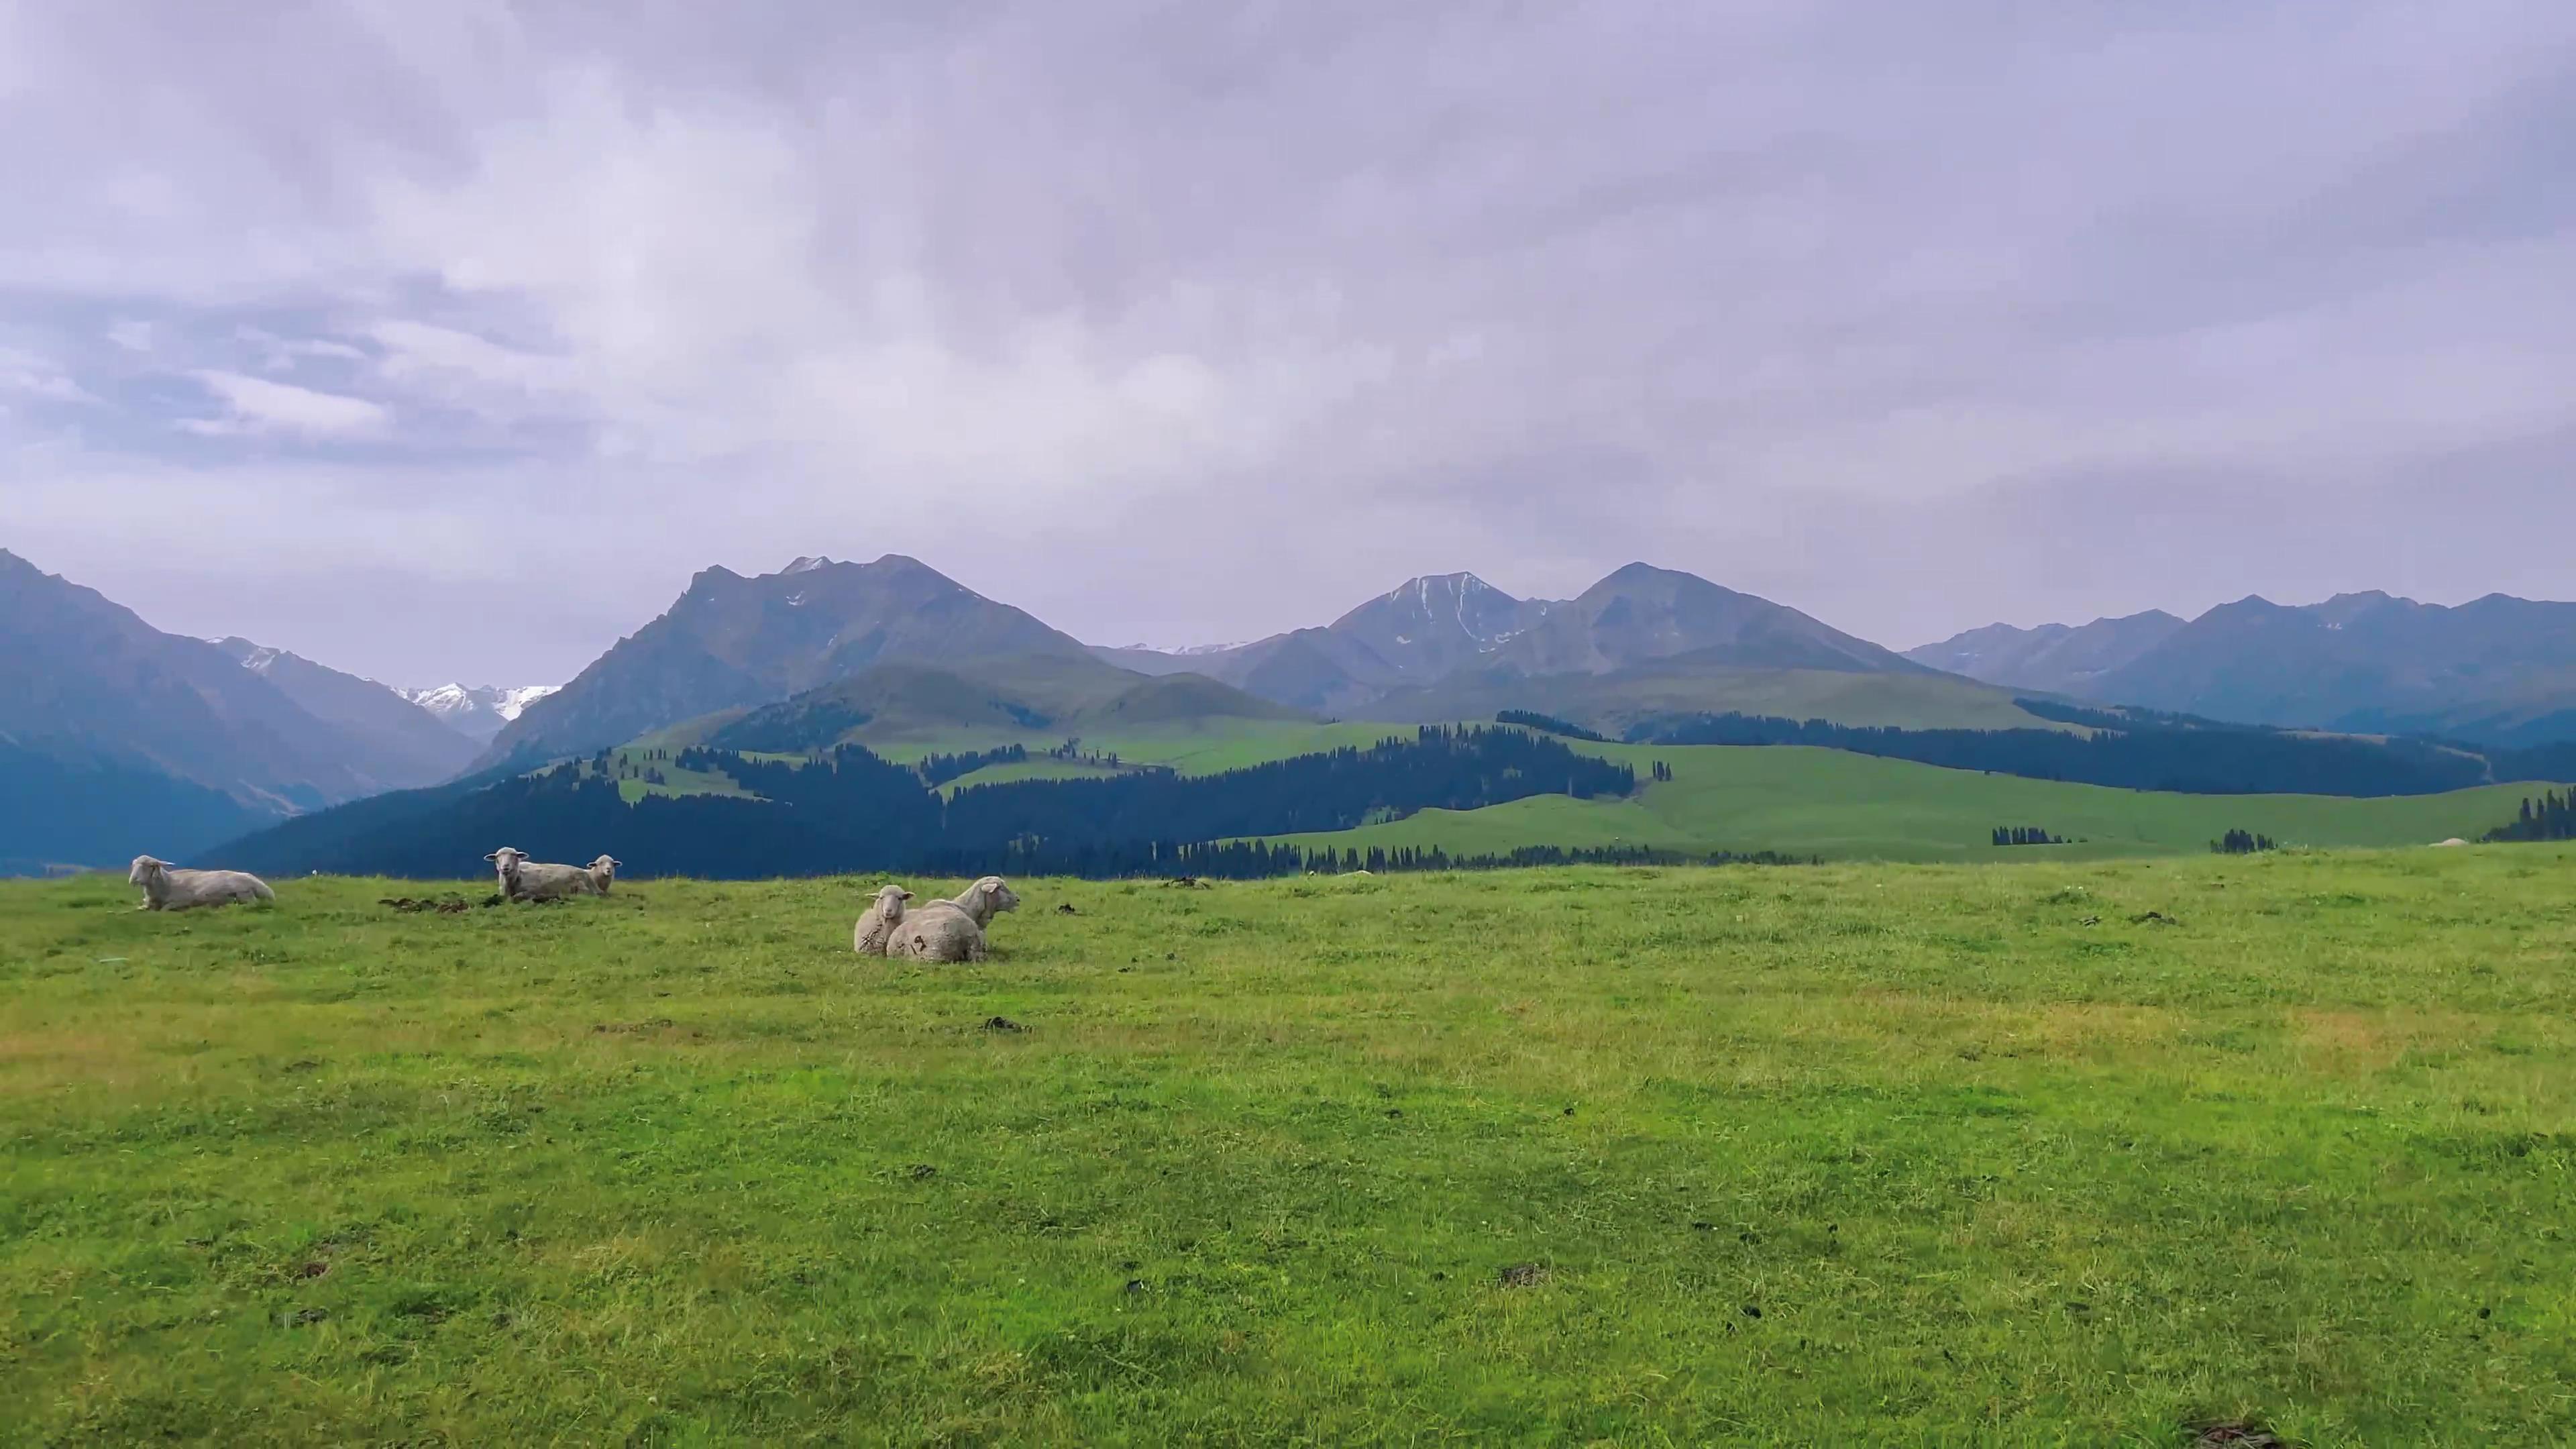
119 737
2498 671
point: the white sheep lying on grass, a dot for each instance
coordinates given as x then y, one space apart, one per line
603 872
939 931
167 889
870 936
985 899
952 930
523 879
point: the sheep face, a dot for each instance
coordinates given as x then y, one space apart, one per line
145 867
1001 896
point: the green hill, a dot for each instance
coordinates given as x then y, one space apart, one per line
1827 802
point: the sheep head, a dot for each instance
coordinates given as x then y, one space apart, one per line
890 903
998 897
145 868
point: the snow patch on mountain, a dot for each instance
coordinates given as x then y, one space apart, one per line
478 710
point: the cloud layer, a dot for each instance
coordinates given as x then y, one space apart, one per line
340 324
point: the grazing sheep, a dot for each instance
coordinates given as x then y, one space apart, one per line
525 880
985 899
165 889
870 937
939 931
603 872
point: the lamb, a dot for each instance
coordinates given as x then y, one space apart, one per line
871 936
165 889
524 880
939 931
984 900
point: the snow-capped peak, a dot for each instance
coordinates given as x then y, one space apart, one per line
451 701
807 565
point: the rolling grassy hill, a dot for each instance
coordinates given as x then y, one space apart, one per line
1845 806
1842 1155
1800 801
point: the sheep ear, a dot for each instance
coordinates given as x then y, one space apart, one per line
495 855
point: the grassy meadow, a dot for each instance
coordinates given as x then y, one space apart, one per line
1803 801
2041 1152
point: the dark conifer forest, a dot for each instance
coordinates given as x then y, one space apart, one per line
852 810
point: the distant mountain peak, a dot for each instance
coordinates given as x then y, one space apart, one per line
730 642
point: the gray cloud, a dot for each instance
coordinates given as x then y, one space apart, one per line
1195 322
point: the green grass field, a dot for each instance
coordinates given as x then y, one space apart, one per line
2043 1152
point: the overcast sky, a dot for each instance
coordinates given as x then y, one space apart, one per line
447 340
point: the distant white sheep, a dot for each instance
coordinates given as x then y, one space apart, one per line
168 889
603 872
939 931
870 936
985 899
525 880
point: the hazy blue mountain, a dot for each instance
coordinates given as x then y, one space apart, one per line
2500 670
1452 626
158 739
1641 613
420 746
2053 658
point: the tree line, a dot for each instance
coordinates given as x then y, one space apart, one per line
2551 817
1532 719
937 770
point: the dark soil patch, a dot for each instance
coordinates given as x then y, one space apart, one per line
2234 1434
922 1172
1522 1275
444 905
628 1028
1002 1023
2153 918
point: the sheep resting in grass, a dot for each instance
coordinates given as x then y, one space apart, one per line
603 872
523 879
985 899
939 931
166 889
870 936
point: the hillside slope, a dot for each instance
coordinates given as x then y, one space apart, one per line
417 746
